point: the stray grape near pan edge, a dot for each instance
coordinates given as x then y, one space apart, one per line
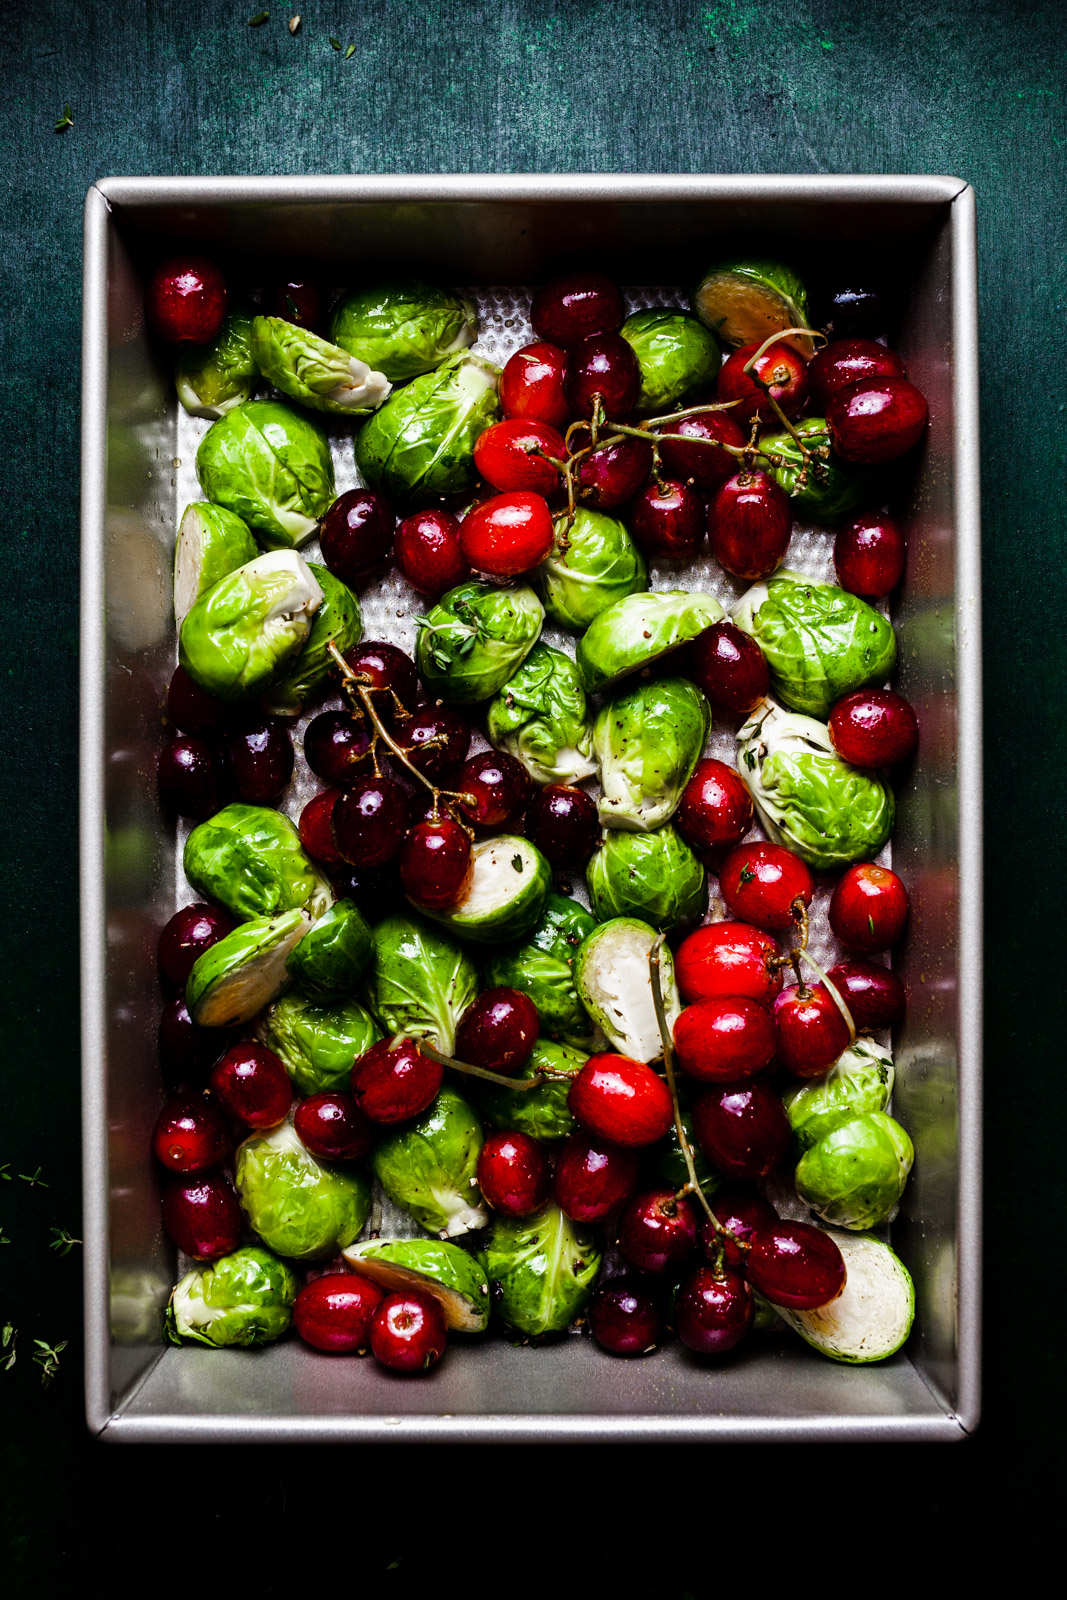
334 1011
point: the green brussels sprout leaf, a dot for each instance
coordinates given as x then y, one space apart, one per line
648 739
212 379
542 966
678 357
299 1206
211 544
853 1177
640 629
860 1080
475 639
404 328
243 972
244 632
543 1268
542 1113
830 488
335 952
655 877
317 1041
250 860
420 981
592 564
245 1298
429 1167
338 622
540 718
314 372
454 1278
420 443
272 467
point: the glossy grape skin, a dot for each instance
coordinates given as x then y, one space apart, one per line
562 822
761 883
725 1039
435 739
727 959
614 473
337 747
333 1127
873 728
333 1313
261 760
499 786
296 297
742 1128
507 535
394 1082
845 361
739 1212
795 1265
626 1317
370 820
407 1332
572 307
427 551
703 464
868 908
812 1032
253 1085
191 1134
878 419
869 555
436 863
715 811
749 525
713 1311
532 384
356 535
729 666
498 1031
621 1100
513 1173
316 827
186 1050
592 1178
604 365
780 367
191 709
658 1232
186 300
192 779
190 932
856 307
874 995
513 455
668 521
201 1215
388 674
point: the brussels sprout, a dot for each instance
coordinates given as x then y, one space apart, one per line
859 1081
270 465
314 372
820 642
421 981
429 1167
335 952
316 1042
807 798
250 860
243 972
831 487
509 883
543 1113
454 1278
298 1205
475 638
542 967
670 1167
240 636
542 1268
744 302
855 1175
678 357
211 379
613 978
420 444
638 630
244 1298
653 876
404 328
648 739
540 718
592 564
338 621
872 1316
211 544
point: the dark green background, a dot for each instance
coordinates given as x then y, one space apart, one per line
975 90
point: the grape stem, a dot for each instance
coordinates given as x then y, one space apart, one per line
520 1085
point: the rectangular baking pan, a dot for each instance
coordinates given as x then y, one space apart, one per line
511 230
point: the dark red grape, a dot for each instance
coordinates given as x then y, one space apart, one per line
568 309
192 709
691 459
812 1032
253 1086
668 521
388 674
337 747
261 760
192 779
427 550
435 739
186 300
407 1332
562 822
713 1311
604 365
436 863
186 1050
878 419
356 535
334 1312
513 1174
393 1082
613 474
593 1178
190 932
316 827
749 525
873 728
869 556
202 1216
730 667
370 820
844 362
658 1232
499 787
742 1128
498 1031
333 1127
191 1134
873 994
739 1212
296 296
795 1265
626 1317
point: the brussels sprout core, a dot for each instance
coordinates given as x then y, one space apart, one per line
211 544
872 1316
508 888
243 972
612 978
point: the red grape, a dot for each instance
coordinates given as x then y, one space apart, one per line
192 780
337 747
532 384
507 535
333 1127
668 521
296 297
657 1232
499 787
873 994
512 455
739 1212
191 1134
334 1312
726 959
762 882
261 760
626 1317
388 674
593 1178
725 1039
713 1311
715 811
704 464
604 365
316 827
613 474
782 372
192 709
562 822
878 419
498 1031
795 1265
356 535
812 1033
407 1331
435 739
873 728
186 300
190 932
869 556
513 1174
730 667
622 1100
844 362
252 1084
742 1128
393 1082
868 908
202 1216
749 524
369 821
568 309
427 551
436 863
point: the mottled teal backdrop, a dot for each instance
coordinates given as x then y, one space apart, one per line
185 86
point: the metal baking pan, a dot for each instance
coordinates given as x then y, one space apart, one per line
510 230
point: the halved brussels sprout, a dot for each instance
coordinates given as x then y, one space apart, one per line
338 621
653 876
270 465
638 630
211 544
831 486
820 642
807 798
678 357
543 1113
454 1278
872 1316
420 443
245 1298
542 967
540 718
542 1268
421 981
744 302
243 972
613 979
475 638
335 952
250 860
211 379
241 636
404 328
854 1175
317 1043
592 564
429 1167
314 372
509 883
860 1080
298 1205
648 739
